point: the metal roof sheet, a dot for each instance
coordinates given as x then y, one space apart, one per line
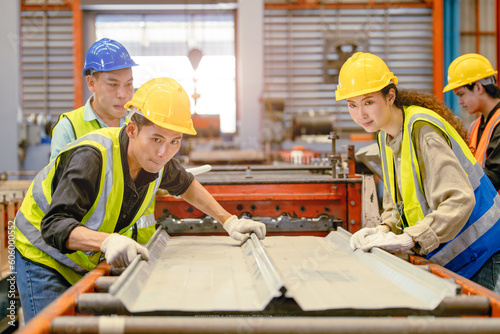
214 274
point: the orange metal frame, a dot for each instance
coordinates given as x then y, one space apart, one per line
477 32
77 54
438 47
468 287
64 305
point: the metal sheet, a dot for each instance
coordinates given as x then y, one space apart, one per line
325 274
197 274
215 274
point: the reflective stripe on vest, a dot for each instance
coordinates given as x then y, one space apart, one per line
145 226
481 147
102 216
475 243
76 119
146 221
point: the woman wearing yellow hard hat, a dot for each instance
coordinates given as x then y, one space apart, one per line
473 80
437 200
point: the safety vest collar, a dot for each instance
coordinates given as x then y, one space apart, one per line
481 146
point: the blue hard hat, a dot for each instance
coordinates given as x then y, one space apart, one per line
106 55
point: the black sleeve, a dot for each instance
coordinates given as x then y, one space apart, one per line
175 178
492 163
74 190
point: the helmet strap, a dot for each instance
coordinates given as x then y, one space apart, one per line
488 81
133 111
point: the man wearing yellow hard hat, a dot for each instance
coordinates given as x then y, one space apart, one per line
473 80
78 207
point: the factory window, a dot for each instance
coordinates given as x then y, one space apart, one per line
160 44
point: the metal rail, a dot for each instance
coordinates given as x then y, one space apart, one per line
256 325
467 286
471 306
64 305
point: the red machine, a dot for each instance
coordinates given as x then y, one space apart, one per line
289 199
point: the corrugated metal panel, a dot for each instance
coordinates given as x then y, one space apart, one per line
297 48
325 274
47 62
214 274
195 274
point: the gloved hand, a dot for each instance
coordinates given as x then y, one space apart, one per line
240 229
120 250
390 242
358 239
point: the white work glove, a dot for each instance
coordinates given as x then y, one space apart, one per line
120 250
358 239
394 243
240 229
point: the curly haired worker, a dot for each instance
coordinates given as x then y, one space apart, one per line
437 200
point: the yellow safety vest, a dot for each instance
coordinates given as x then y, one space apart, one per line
145 227
478 239
101 217
80 126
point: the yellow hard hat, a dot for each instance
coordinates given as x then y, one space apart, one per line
361 74
468 69
165 103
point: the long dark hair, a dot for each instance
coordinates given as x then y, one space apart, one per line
412 97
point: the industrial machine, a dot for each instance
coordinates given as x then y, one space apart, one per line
283 284
302 277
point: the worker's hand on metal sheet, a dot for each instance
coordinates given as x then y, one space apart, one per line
358 239
120 250
240 229
394 243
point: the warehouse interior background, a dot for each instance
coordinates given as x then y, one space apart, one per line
265 83
262 76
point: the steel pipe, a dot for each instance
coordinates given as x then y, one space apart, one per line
104 304
216 325
463 305
99 304
103 283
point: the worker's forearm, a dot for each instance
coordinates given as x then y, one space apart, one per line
86 240
199 197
